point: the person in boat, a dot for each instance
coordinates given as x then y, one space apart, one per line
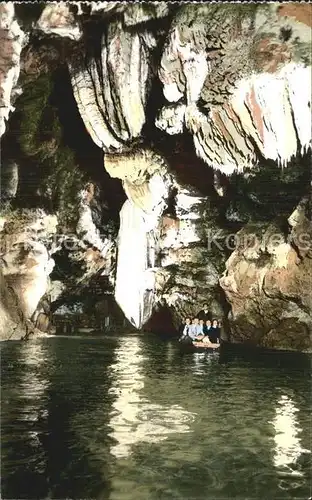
196 331
185 337
206 340
204 313
207 327
201 330
206 331
186 328
215 332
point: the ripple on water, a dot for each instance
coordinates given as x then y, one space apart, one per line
129 418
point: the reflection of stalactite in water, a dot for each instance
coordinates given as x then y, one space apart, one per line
33 387
288 447
134 418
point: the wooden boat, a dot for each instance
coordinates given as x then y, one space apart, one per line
84 329
199 346
206 345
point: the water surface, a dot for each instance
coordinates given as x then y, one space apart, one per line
131 418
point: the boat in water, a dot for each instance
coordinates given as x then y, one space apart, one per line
194 346
84 329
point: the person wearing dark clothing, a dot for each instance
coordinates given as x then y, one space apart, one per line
204 313
214 334
207 327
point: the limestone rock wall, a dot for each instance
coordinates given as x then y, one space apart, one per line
12 39
237 78
111 92
268 284
240 73
26 264
29 241
162 256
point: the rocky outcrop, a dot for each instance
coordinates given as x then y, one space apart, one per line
162 256
88 232
111 94
268 284
236 78
26 264
12 324
57 19
30 241
12 39
240 72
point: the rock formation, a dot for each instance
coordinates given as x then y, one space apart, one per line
26 265
236 79
57 19
12 39
268 284
240 69
114 116
147 183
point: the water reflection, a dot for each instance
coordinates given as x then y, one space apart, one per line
201 360
134 418
23 412
33 387
33 356
288 447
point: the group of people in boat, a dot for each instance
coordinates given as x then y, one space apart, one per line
202 328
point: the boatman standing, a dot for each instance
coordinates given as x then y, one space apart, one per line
204 314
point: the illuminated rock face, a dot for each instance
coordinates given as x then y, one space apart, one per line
86 229
26 266
112 96
57 19
138 233
12 39
246 81
238 79
135 279
160 255
189 274
262 111
268 284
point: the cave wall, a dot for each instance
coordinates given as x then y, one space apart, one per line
202 113
268 283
